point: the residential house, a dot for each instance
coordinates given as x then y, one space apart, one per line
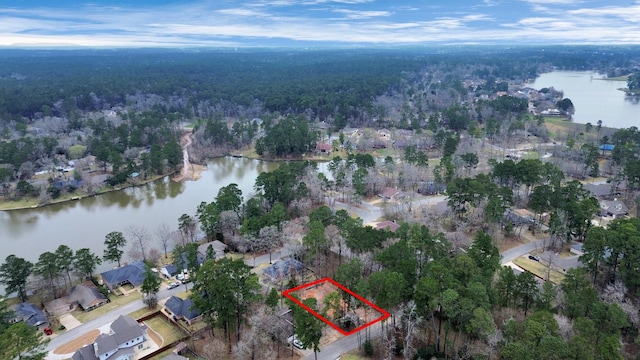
129 274
389 193
323 148
169 271
387 225
125 337
613 208
519 216
602 191
31 315
577 248
218 246
432 188
606 147
379 144
399 144
384 134
180 309
283 268
322 125
88 296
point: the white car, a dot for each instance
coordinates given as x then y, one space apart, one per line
297 343
173 285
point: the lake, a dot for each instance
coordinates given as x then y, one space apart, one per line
84 223
594 99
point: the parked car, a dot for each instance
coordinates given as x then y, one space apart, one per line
534 258
48 331
297 343
173 285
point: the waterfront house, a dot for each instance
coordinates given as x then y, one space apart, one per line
30 315
129 274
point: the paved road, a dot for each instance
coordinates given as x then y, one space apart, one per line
367 212
101 321
131 307
518 251
345 344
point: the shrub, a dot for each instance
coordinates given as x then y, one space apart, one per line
368 348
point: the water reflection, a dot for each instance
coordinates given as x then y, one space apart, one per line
634 99
84 223
594 99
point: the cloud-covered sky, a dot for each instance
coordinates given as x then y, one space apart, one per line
167 23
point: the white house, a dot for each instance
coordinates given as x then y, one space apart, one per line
126 336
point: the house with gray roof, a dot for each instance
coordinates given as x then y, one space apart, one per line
387 225
126 336
181 309
31 315
284 268
614 208
87 296
218 248
602 191
129 274
169 270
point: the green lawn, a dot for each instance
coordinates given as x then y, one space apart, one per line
351 357
140 313
165 329
116 301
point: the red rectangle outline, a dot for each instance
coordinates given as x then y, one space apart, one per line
287 294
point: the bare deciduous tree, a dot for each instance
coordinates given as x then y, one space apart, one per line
269 238
410 322
215 349
163 234
565 326
139 239
229 222
257 343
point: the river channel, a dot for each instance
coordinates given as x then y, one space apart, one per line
594 98
84 223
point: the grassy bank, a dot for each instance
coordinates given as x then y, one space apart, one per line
31 202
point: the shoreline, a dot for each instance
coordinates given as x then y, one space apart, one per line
75 197
194 173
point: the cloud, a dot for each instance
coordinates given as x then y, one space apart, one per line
550 2
265 22
626 13
355 14
242 12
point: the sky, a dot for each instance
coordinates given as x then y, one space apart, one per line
282 23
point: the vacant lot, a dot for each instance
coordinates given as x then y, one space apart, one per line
365 312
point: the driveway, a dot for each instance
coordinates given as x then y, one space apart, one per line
69 321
